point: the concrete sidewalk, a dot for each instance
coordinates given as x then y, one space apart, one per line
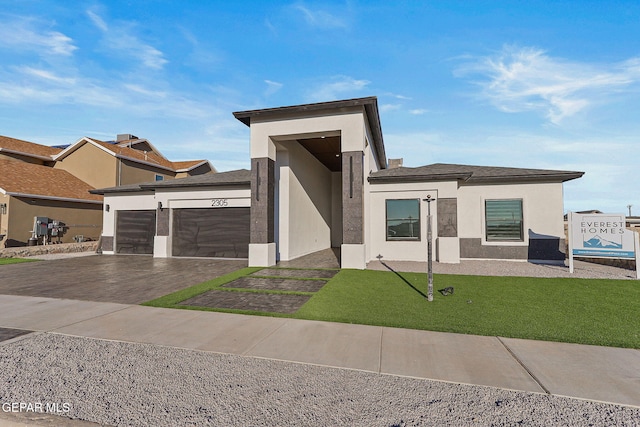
604 374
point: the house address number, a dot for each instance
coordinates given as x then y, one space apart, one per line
219 203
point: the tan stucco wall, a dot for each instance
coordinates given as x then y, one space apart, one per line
4 217
133 173
92 165
200 170
18 157
82 218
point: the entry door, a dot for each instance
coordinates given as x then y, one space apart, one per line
135 231
216 233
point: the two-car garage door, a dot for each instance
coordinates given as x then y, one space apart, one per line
220 233
196 232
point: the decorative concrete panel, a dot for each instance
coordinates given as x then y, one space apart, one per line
447 217
352 197
262 200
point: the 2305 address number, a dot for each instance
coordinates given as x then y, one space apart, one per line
219 203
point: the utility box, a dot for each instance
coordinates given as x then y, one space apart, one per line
41 226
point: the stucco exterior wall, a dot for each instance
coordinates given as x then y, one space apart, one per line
305 202
11 156
133 173
92 165
4 218
81 218
404 249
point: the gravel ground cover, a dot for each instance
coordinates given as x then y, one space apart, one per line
118 383
582 269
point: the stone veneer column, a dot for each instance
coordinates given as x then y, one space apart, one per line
353 251
162 241
262 234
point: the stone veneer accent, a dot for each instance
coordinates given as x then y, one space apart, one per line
538 249
262 200
352 197
107 243
162 222
447 217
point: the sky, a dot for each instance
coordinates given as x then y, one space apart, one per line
536 84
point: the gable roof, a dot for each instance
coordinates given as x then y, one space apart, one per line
31 149
122 151
470 174
43 182
240 177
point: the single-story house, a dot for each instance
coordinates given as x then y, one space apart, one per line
319 179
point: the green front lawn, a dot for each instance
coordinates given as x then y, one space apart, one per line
4 261
586 311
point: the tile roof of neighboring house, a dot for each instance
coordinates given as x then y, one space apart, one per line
28 148
470 174
43 182
122 151
236 177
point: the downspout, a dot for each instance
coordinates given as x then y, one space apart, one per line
119 172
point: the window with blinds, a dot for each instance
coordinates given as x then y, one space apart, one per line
503 219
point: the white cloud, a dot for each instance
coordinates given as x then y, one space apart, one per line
389 107
338 87
527 79
24 33
320 18
121 41
418 111
272 87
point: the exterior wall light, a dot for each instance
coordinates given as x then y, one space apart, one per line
107 207
3 208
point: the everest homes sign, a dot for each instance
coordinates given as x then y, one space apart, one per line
600 236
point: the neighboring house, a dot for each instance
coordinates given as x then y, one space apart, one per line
35 175
319 179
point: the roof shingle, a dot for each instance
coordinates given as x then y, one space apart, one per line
18 178
26 147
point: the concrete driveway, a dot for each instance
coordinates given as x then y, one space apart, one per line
125 279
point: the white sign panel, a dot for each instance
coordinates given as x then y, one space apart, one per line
601 236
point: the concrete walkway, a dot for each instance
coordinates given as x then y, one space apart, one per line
587 372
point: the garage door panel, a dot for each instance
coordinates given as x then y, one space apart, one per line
220 232
135 231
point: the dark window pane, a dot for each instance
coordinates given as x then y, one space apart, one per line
403 219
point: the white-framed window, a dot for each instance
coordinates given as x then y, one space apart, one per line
504 220
403 219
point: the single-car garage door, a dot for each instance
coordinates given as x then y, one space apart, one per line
222 232
135 231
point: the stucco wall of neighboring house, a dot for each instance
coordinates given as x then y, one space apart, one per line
202 169
542 206
4 217
304 202
133 173
81 218
91 164
18 157
409 250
